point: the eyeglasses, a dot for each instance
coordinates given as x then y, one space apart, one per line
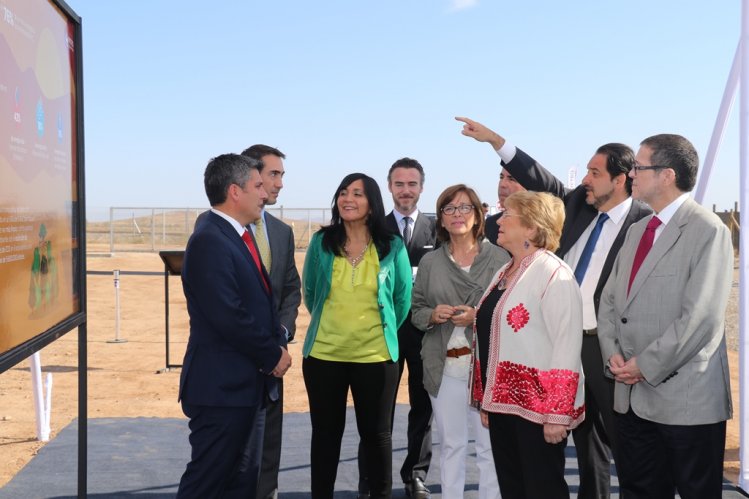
638 168
463 208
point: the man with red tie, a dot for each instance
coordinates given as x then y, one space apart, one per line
661 329
233 346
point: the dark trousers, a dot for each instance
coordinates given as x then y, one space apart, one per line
373 387
267 487
596 437
217 468
527 467
419 430
657 459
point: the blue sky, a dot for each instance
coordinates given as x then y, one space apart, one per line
344 86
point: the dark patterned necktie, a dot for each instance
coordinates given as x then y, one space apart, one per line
407 230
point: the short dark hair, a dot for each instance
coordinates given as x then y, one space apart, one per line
675 152
447 196
407 163
334 235
257 152
225 170
620 159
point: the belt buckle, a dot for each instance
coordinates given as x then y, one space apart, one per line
590 332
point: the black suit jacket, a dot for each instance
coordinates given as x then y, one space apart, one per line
423 238
491 229
579 214
234 328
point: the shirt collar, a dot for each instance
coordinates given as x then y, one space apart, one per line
400 216
619 211
667 213
237 226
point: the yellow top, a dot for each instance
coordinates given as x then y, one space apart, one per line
350 325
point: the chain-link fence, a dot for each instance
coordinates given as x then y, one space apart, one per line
146 229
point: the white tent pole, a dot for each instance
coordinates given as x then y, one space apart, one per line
744 247
729 95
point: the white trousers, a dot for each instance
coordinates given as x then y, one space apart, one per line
452 418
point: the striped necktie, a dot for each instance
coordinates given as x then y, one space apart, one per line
262 243
407 230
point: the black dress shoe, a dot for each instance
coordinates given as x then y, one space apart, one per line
416 489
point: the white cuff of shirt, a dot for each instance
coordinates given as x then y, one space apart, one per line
507 152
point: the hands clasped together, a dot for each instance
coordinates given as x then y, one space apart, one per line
460 315
284 363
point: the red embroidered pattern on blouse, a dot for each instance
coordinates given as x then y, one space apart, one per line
478 388
542 392
518 317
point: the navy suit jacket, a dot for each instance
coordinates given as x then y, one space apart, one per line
578 213
234 329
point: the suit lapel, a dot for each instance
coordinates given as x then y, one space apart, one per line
235 239
669 236
570 237
635 213
421 232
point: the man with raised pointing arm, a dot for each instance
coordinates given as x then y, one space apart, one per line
598 213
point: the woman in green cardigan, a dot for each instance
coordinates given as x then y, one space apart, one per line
357 288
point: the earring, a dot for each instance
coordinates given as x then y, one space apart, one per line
526 244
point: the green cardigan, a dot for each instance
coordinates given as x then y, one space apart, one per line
394 284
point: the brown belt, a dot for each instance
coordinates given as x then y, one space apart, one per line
590 332
458 352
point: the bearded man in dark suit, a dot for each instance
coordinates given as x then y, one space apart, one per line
598 214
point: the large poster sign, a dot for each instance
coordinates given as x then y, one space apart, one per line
40 247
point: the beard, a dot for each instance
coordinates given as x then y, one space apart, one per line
598 201
406 204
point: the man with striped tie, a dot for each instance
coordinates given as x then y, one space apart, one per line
275 241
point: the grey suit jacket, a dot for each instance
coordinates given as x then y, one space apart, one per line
672 320
284 277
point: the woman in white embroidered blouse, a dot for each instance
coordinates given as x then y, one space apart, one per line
527 377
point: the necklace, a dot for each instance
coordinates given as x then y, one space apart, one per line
503 281
355 261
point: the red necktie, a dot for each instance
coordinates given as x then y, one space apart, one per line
644 248
255 257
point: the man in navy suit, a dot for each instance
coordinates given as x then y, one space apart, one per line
598 214
233 347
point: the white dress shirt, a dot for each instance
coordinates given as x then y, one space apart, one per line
609 231
667 213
